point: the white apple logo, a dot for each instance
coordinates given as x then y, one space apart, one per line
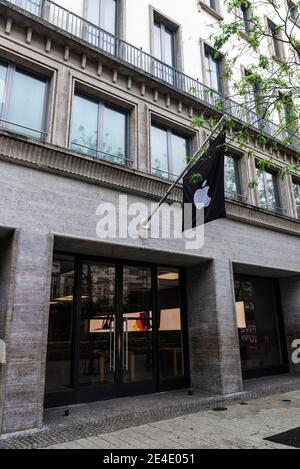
201 198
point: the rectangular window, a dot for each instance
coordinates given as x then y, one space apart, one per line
211 4
275 40
294 12
170 324
268 191
260 328
58 372
245 15
99 130
233 187
297 197
23 98
169 152
102 14
164 51
212 69
289 116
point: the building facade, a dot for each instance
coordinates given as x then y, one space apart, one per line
96 101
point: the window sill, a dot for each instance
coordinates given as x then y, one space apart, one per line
296 23
245 35
279 60
214 13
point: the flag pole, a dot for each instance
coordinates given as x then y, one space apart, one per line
191 162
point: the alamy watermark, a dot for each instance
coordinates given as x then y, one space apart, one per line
2 352
124 220
296 353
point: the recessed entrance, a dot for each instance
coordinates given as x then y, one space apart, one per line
261 329
115 329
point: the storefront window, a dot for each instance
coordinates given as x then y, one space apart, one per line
258 320
58 374
170 326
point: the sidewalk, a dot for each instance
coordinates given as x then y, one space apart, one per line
106 417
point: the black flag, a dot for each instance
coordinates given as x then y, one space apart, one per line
209 191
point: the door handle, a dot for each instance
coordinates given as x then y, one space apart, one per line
126 346
112 347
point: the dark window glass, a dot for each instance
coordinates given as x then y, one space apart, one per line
297 197
260 340
170 326
213 70
164 50
211 3
276 40
268 192
137 341
99 130
294 11
232 178
169 152
246 15
58 372
97 341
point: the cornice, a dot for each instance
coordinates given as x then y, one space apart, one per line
45 157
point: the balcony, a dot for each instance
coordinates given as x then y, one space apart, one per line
115 47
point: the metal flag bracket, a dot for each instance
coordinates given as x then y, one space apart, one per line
146 223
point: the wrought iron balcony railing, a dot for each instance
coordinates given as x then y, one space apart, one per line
113 46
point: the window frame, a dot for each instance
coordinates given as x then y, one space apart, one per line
207 49
247 14
278 209
12 68
239 195
214 9
163 31
276 45
102 105
293 12
296 184
170 132
101 15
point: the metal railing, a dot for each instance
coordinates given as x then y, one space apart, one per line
22 129
231 195
113 46
279 210
103 155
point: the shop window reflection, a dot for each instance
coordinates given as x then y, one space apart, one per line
170 327
58 370
260 341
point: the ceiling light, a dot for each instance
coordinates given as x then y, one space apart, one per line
169 276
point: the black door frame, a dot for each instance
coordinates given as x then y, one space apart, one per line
79 394
280 368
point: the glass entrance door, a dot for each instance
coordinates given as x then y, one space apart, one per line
115 330
137 330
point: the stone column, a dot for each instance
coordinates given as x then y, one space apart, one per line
6 281
143 150
290 297
214 346
62 97
26 334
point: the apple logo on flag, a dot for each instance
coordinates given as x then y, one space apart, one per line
201 198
